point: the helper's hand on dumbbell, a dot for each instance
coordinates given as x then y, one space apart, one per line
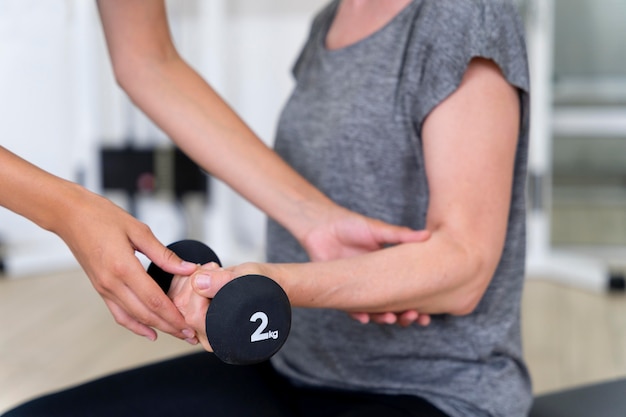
246 320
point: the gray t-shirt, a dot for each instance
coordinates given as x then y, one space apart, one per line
353 128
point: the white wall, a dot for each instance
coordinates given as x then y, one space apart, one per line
36 105
59 103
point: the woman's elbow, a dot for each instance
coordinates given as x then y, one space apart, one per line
465 304
469 293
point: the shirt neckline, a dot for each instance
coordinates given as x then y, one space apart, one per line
365 40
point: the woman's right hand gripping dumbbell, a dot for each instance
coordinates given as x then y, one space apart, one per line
243 321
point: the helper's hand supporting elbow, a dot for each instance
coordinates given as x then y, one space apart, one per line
342 233
345 234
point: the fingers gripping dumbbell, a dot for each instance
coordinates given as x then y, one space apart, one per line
249 318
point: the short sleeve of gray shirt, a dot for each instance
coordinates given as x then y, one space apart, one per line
352 127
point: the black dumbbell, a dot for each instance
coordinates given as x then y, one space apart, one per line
249 318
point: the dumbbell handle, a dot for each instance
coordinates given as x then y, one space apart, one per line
191 251
249 318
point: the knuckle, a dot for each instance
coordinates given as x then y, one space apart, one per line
122 320
100 286
117 270
154 302
145 318
105 285
169 255
143 229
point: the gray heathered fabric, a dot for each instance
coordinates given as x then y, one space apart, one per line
352 127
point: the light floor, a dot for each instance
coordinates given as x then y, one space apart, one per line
55 331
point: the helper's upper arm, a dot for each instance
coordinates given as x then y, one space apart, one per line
135 30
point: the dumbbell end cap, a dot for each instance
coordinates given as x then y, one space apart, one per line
188 250
249 320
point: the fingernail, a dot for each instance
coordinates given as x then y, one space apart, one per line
151 337
203 282
189 333
192 341
186 264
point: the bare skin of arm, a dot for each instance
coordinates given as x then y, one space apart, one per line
150 70
470 141
103 238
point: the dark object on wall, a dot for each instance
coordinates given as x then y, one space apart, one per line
617 282
136 170
124 168
188 177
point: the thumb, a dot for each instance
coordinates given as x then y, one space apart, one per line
414 236
398 234
208 282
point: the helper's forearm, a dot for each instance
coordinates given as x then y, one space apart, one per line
34 193
205 127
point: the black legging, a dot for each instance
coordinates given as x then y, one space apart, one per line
200 385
